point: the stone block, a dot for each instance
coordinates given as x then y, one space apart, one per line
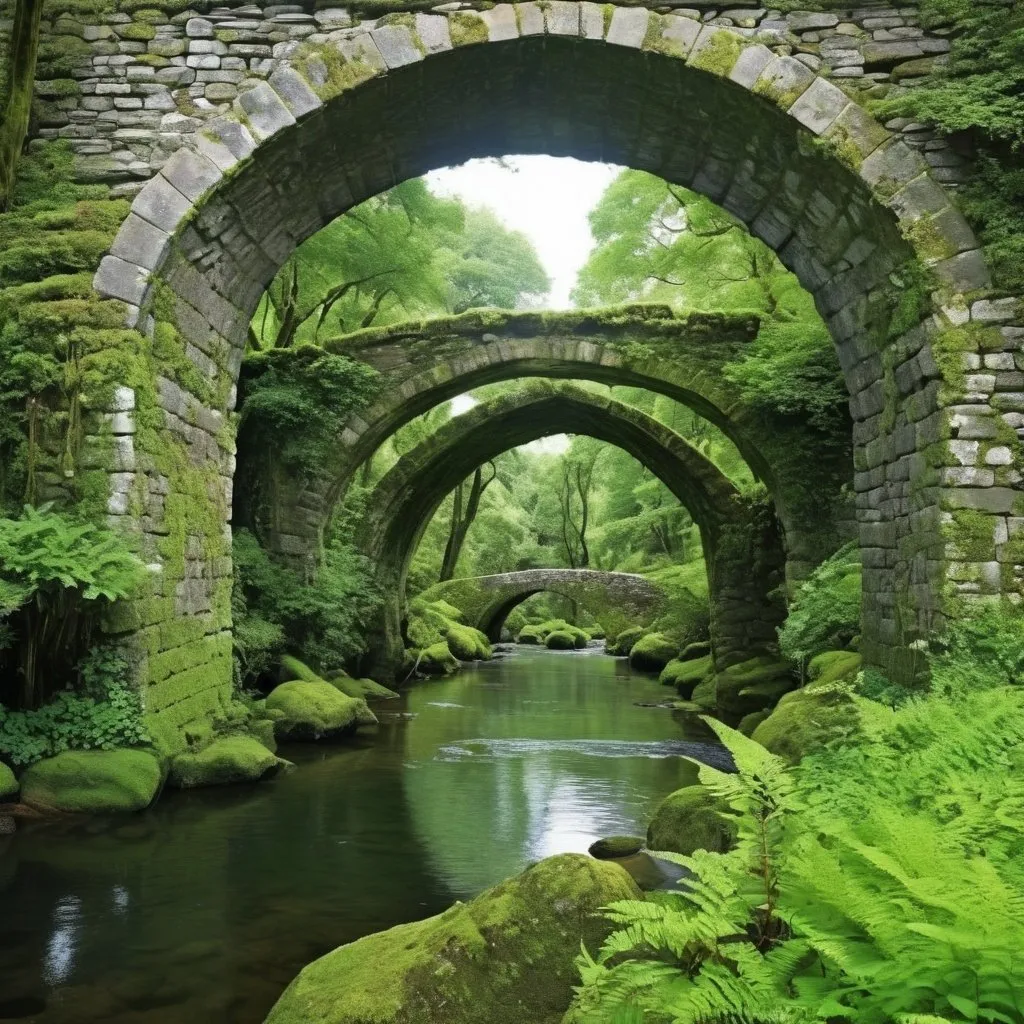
628 26
199 28
751 62
819 106
531 19
784 80
562 18
397 45
119 279
264 111
501 22
433 32
298 97
994 311
140 242
891 165
964 272
224 141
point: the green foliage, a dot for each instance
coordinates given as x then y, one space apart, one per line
294 404
825 613
323 621
980 91
57 575
878 881
402 254
105 714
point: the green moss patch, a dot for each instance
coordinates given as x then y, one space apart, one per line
806 720
753 685
9 784
93 781
651 653
616 846
315 711
686 675
689 819
505 956
228 760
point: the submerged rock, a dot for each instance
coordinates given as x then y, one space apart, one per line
231 759
93 781
506 956
616 846
315 711
691 819
8 783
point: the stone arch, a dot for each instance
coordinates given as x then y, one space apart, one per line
642 345
850 209
744 560
614 599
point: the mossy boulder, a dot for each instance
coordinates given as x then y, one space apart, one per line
315 711
531 633
508 956
748 723
467 643
560 640
365 689
691 818
705 694
806 720
622 644
262 730
292 668
616 846
834 666
685 675
8 783
437 660
753 685
93 781
651 653
230 759
698 649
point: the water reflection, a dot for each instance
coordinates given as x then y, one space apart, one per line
202 909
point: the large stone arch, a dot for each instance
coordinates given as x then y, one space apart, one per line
643 345
615 599
744 557
852 210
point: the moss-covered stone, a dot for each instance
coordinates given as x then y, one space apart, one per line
315 711
834 666
616 846
437 660
705 694
231 759
467 643
621 645
807 719
93 781
686 675
753 685
8 783
560 640
505 956
748 723
367 689
691 819
530 634
651 653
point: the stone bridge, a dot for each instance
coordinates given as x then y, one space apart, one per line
251 129
615 599
743 553
646 346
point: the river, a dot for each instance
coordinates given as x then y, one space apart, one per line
202 909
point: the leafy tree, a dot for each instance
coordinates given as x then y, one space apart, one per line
404 253
463 514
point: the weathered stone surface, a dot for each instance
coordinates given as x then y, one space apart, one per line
264 111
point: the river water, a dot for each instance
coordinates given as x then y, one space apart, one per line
202 909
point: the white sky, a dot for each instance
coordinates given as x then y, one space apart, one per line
548 199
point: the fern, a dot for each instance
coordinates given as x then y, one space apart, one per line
877 882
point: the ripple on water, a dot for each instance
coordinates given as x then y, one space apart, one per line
707 753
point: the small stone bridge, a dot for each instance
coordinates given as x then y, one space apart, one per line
615 599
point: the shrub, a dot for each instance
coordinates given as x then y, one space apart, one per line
825 614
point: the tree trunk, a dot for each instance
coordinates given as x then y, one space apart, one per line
18 107
461 520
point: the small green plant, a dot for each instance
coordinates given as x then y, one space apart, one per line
825 614
55 575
